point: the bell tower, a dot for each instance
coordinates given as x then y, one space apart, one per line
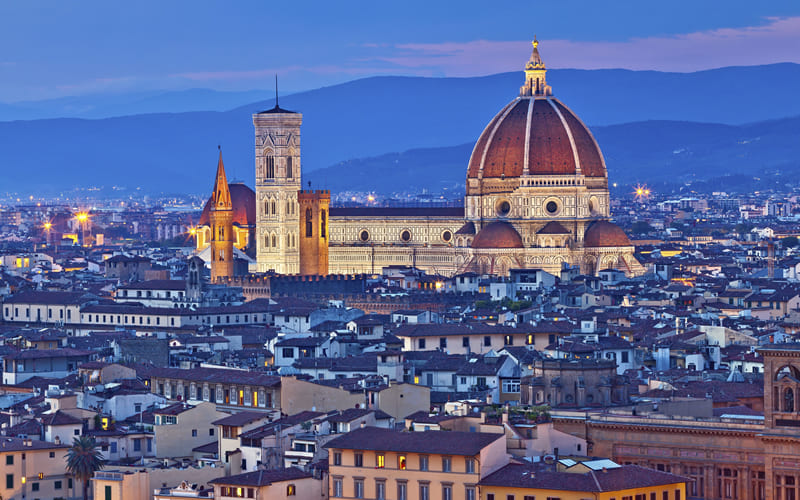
221 221
278 178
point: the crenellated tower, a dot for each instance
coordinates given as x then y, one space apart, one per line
221 221
278 177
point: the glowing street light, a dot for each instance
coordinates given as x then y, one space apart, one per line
82 218
641 192
47 227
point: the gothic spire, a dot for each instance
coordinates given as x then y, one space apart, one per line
222 194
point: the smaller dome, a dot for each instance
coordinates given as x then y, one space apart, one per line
243 200
497 234
605 234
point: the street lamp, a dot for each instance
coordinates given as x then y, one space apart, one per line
82 218
47 227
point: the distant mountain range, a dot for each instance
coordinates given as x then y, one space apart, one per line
362 121
96 106
651 151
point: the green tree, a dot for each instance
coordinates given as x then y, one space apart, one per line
641 227
83 460
742 228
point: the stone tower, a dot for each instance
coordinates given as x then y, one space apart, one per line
314 231
277 143
194 279
221 221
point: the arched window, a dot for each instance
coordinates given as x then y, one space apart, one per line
221 233
322 221
266 207
289 165
274 208
309 224
269 167
274 241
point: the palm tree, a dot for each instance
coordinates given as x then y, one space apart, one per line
83 460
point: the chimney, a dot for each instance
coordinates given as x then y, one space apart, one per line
363 423
57 440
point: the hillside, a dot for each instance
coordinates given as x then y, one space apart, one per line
652 151
370 117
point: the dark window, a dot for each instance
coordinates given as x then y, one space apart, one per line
504 208
421 343
309 224
9 481
322 223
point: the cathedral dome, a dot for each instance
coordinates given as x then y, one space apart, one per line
497 234
243 200
535 134
605 234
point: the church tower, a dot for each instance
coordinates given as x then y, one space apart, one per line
277 144
314 231
221 221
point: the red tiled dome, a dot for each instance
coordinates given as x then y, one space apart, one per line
555 140
605 234
497 234
243 200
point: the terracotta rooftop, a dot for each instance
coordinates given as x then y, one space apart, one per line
263 477
432 442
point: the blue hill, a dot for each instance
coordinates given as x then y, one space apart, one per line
374 116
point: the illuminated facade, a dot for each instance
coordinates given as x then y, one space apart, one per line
536 197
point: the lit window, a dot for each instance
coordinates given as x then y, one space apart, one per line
401 462
381 461
290 490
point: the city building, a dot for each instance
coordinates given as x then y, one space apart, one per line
537 197
371 462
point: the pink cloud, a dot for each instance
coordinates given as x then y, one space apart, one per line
776 41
